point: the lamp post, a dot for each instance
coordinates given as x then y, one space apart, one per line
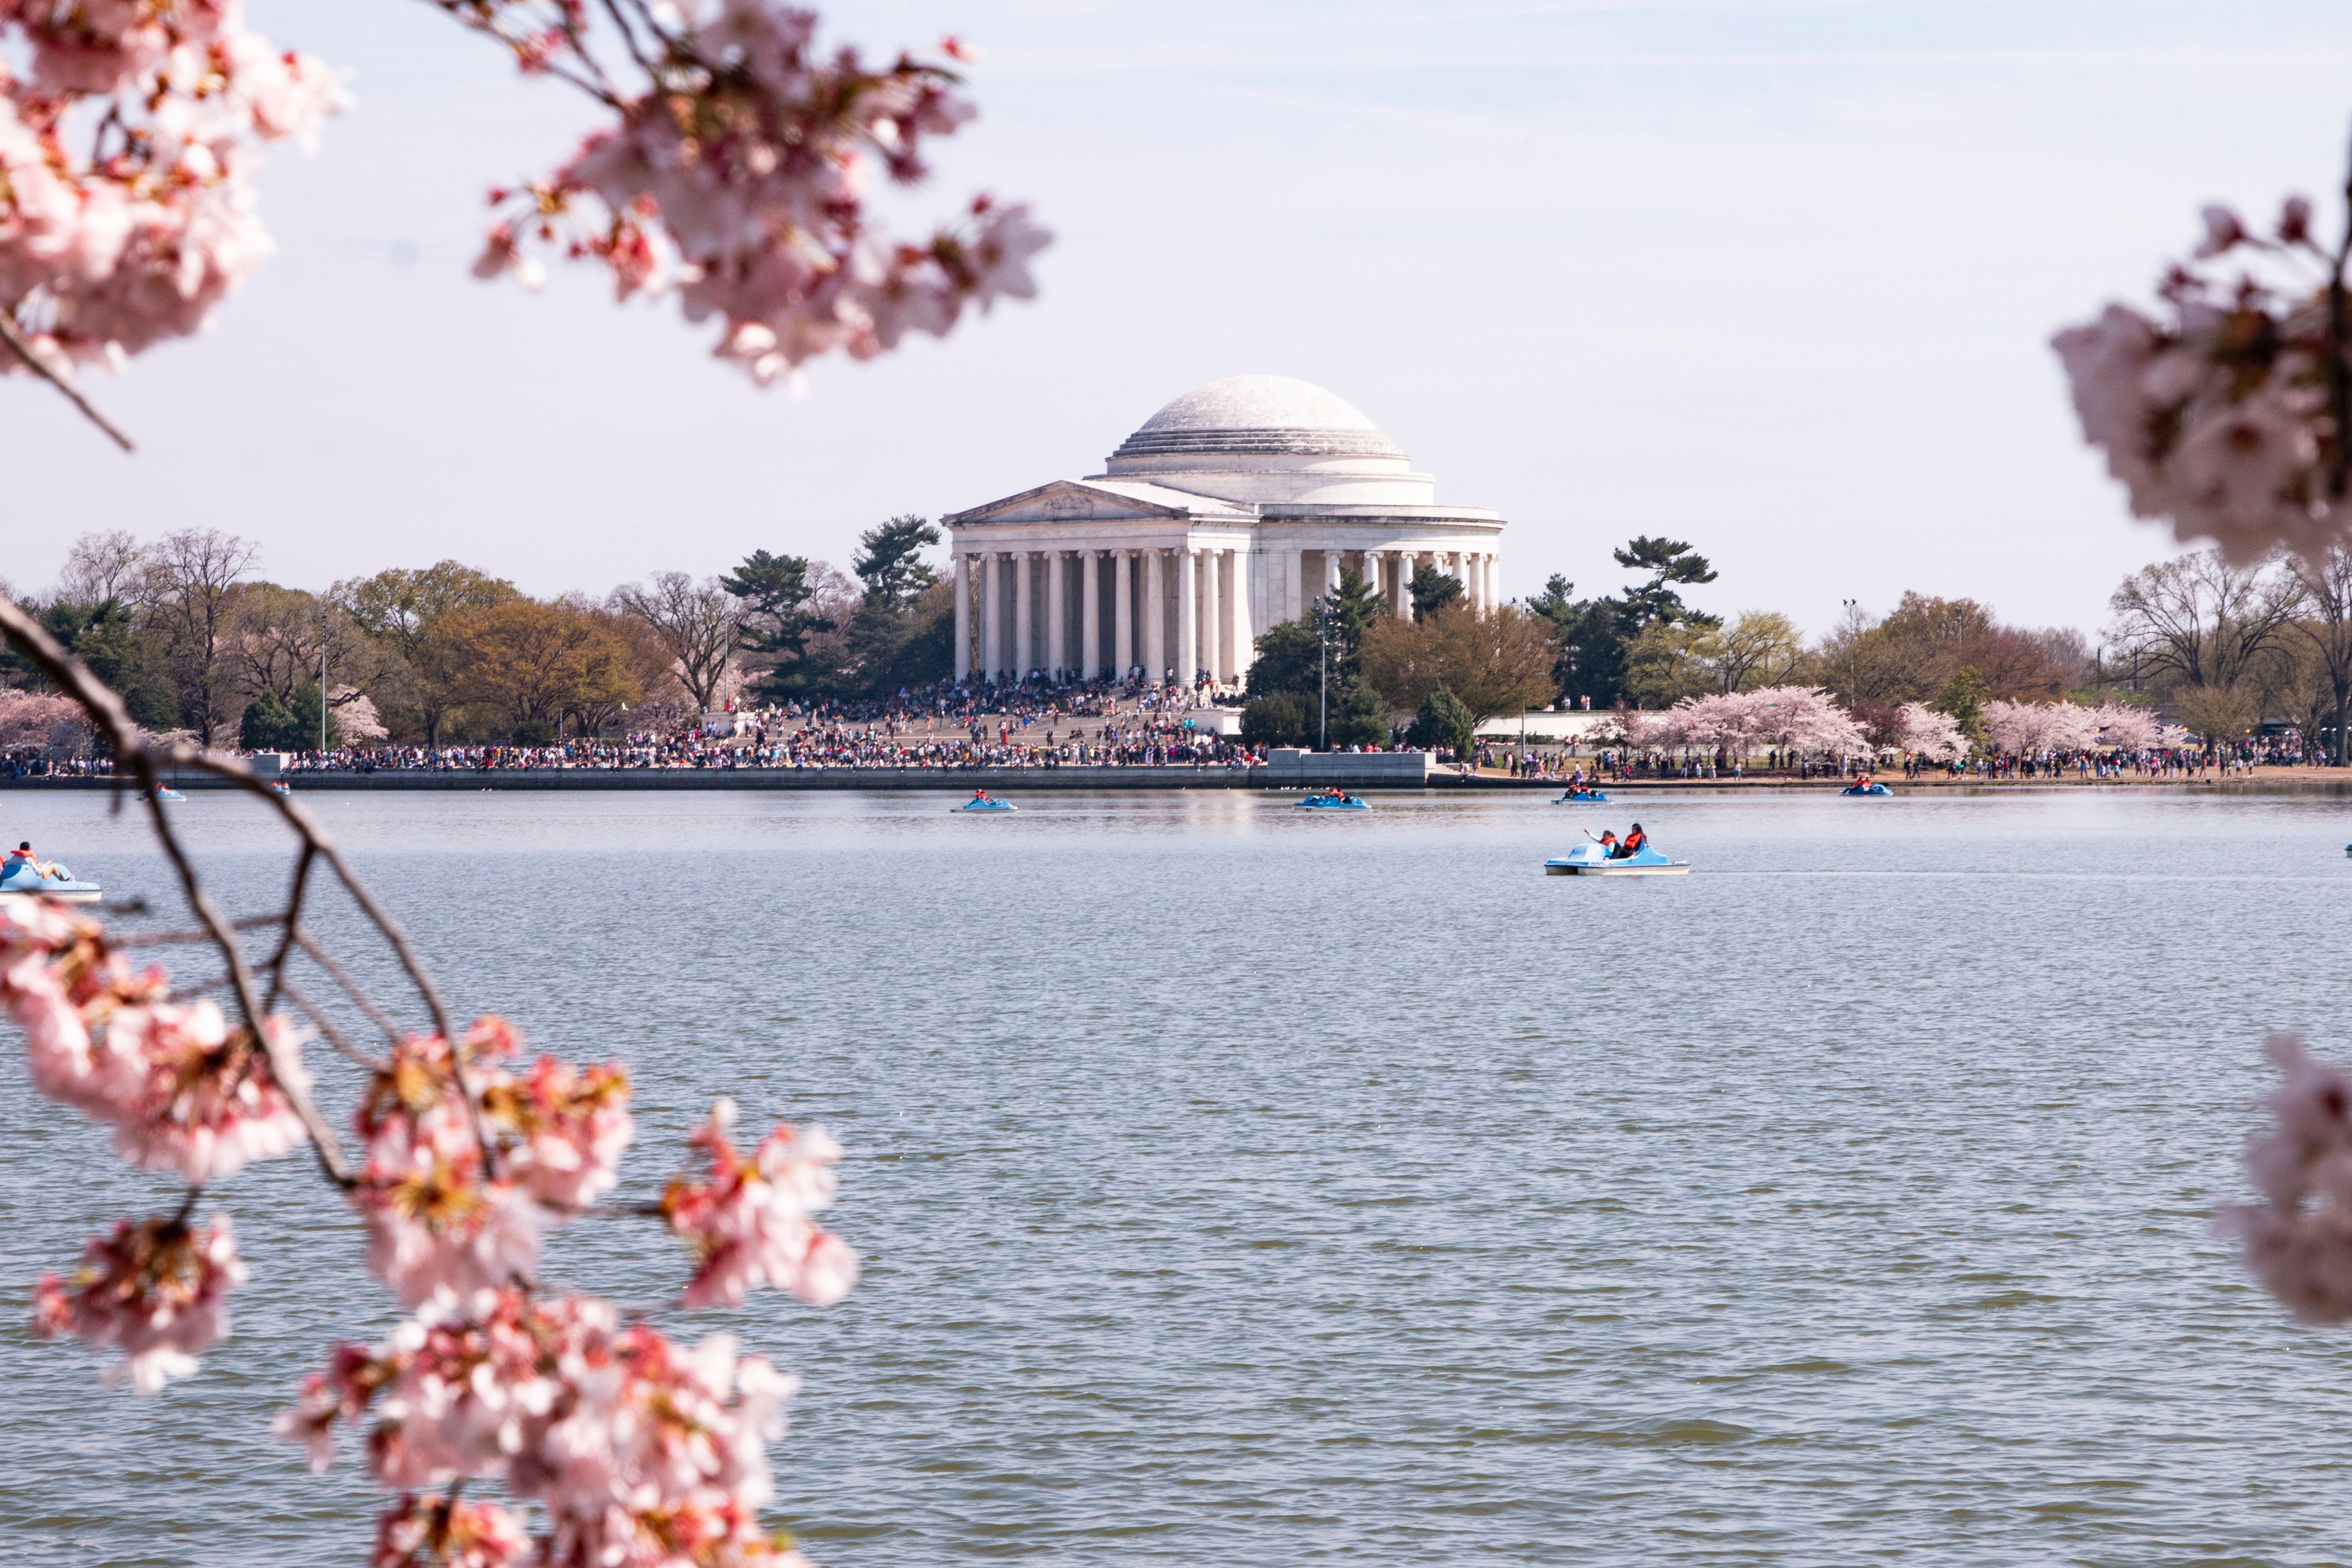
1323 675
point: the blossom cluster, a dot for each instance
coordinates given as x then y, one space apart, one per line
2026 728
445 1214
184 1089
152 1289
749 1220
2219 415
1932 733
736 178
1799 719
2298 1240
640 1451
127 208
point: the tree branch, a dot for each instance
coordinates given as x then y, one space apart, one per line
14 338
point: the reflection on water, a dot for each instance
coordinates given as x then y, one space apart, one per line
1245 1183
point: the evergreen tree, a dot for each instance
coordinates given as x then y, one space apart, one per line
778 622
1279 719
1358 717
105 637
1288 655
1444 721
1963 697
889 561
272 724
1668 561
1433 589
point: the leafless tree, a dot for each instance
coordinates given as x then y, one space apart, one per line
103 566
279 634
2204 622
185 596
697 622
2326 624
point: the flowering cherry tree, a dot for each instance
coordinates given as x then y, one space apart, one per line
2225 412
1935 736
732 170
613 1444
2231 417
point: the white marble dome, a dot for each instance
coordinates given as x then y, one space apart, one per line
1268 416
1270 440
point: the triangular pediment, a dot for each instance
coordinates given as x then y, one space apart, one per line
1071 500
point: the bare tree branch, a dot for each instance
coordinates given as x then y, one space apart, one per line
12 336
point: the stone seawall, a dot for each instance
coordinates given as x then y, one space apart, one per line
1320 774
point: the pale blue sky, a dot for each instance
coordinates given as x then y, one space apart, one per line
1773 278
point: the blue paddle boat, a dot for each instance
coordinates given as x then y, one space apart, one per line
1594 860
279 786
166 792
987 802
1334 803
1583 798
25 880
1868 789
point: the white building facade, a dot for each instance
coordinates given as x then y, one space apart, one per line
1232 509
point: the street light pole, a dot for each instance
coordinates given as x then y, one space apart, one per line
1323 676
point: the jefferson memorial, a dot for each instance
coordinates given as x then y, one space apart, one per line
1230 510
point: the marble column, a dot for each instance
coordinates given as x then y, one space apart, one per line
1122 585
963 619
1024 647
1243 652
1403 604
1090 614
1330 572
992 615
1057 615
1154 653
1188 615
1294 586
1212 625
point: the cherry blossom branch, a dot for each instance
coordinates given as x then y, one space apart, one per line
2339 342
12 336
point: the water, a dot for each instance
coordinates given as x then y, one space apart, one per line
1241 1185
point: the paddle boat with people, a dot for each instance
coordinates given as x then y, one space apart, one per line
1580 795
1609 856
983 801
25 875
1865 786
1334 800
166 794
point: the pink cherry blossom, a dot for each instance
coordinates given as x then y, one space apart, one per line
113 243
434 1533
435 1221
640 1451
154 1291
739 180
188 1093
2298 1239
1934 735
748 1222
439 1216
571 1128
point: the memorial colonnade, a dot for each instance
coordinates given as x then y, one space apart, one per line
1104 609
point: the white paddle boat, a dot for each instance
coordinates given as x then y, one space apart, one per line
28 880
1594 860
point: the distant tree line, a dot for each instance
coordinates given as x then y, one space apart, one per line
199 642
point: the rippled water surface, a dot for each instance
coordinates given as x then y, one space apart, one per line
1244 1185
